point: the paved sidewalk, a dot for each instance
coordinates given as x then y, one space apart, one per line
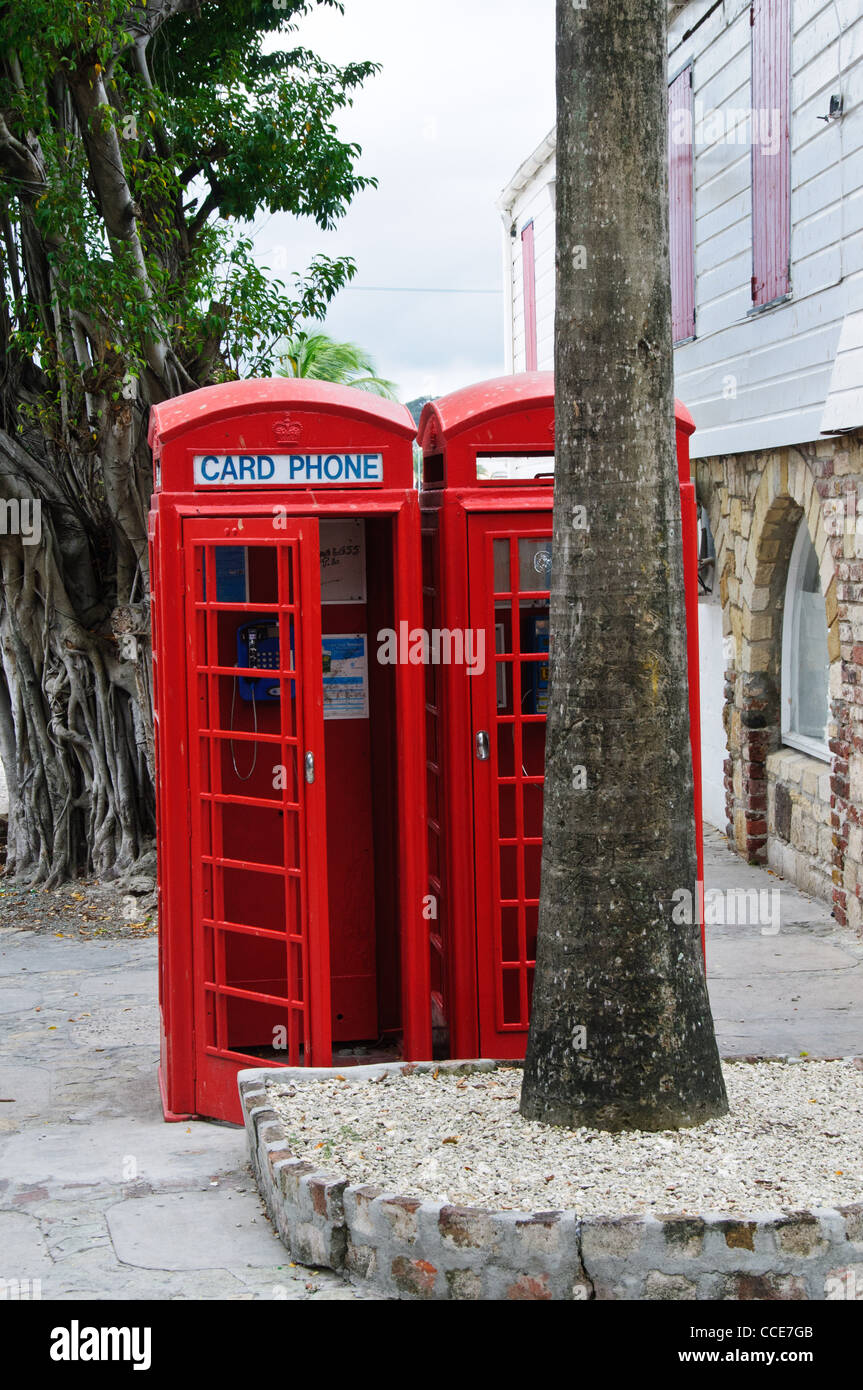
100 1199
800 990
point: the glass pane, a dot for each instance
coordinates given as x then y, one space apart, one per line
261 1029
534 563
533 804
254 899
534 685
505 753
531 917
256 964
532 862
512 996
509 872
514 466
533 750
810 660
261 567
813 667
253 834
506 810
501 566
509 934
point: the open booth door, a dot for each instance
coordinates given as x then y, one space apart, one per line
260 948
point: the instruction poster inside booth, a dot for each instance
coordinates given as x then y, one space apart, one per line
346 677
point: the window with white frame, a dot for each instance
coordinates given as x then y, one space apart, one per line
805 658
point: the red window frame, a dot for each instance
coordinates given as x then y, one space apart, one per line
770 21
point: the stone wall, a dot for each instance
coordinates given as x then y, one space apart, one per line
755 502
435 1251
799 832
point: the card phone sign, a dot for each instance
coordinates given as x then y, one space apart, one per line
258 646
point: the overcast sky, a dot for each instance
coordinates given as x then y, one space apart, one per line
466 92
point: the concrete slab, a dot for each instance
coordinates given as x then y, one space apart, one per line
82 1136
194 1230
19 1001
118 1151
23 951
800 990
24 1090
23 1250
789 952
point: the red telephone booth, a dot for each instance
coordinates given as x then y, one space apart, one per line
284 539
486 506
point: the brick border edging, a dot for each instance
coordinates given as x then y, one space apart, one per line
408 1248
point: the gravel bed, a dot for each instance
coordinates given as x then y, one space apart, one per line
793 1138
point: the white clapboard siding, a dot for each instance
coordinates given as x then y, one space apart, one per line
533 201
839 413
794 370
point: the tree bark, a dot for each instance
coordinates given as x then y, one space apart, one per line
74 709
621 1033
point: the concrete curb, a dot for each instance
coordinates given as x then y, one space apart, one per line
408 1248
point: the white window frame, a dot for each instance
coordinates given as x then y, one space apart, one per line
799 552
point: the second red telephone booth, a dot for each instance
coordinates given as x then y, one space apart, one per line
486 505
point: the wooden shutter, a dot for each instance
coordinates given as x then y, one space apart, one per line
528 268
681 172
771 167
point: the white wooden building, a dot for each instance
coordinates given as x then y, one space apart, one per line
766 227
752 379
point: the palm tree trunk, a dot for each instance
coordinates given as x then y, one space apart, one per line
621 1034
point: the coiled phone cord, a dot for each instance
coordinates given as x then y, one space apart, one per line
244 777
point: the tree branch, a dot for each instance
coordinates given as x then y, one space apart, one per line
115 200
20 163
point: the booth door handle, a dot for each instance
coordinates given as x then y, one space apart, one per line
310 767
482 746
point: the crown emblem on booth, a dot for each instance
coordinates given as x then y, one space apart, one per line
287 431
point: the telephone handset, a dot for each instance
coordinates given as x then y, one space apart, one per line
258 646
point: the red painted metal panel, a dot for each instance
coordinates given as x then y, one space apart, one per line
177 1051
771 149
351 849
456 838
512 414
508 598
411 751
235 399
439 953
528 272
681 171
284 415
